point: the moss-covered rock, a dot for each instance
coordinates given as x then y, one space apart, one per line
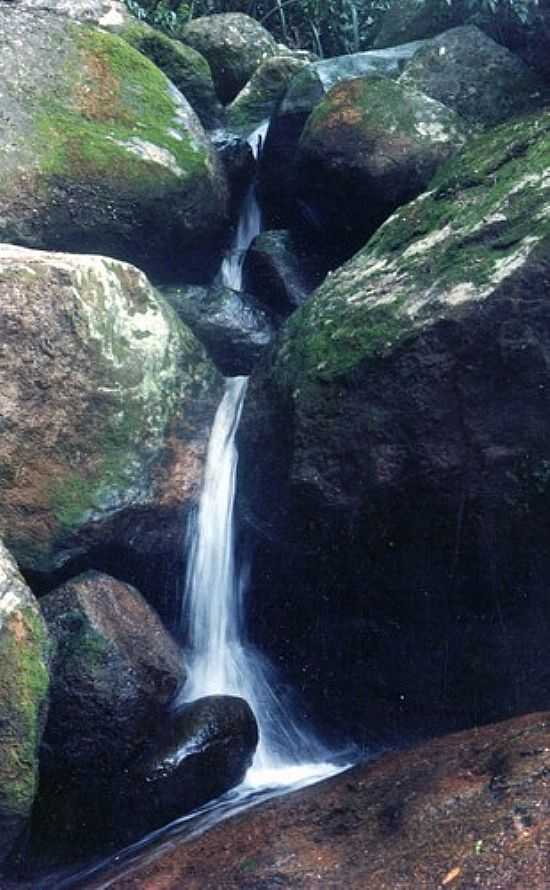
24 680
234 45
411 337
305 91
399 438
97 373
369 146
258 99
183 66
99 152
481 80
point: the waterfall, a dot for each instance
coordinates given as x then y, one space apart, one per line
222 660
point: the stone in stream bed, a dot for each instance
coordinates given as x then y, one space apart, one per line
202 750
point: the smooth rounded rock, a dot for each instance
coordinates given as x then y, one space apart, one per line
203 750
472 74
371 145
97 375
234 45
101 153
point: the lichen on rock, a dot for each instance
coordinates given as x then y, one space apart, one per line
24 682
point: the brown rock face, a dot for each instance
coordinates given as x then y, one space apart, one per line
469 810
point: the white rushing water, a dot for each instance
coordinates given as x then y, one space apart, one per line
222 660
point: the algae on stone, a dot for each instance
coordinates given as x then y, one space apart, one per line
24 682
100 152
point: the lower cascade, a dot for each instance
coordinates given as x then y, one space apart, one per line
222 660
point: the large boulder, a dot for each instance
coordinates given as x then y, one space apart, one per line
523 28
467 71
470 810
183 66
304 93
258 99
115 668
234 45
395 456
100 152
114 671
24 679
233 327
101 384
203 749
371 145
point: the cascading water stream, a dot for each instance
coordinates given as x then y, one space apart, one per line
222 661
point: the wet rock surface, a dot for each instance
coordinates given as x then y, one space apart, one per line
305 91
259 97
278 273
233 326
114 671
469 810
369 146
203 749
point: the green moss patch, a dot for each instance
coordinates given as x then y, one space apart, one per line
486 210
117 95
24 683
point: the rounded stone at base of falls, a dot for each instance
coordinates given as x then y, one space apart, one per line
203 749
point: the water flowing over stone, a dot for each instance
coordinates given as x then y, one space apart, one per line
222 660
250 221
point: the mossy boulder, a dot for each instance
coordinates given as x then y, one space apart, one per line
395 456
24 681
234 45
98 376
114 671
481 80
371 145
304 93
257 100
100 152
235 329
183 66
